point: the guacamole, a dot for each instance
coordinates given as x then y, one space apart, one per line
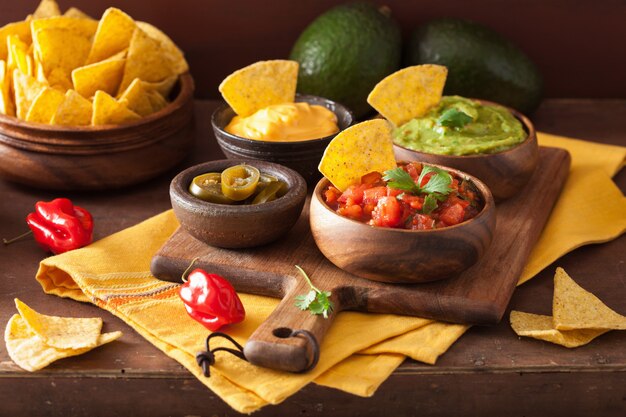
460 126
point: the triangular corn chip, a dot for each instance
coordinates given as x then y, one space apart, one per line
26 88
113 35
59 79
61 49
168 47
31 353
84 27
409 92
157 100
146 61
104 75
44 105
540 327
141 98
575 308
61 332
356 151
76 13
21 29
47 8
108 111
260 85
18 57
75 110
163 87
6 100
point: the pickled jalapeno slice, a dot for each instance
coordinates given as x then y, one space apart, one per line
208 187
240 181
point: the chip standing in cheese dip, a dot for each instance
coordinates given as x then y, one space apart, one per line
287 122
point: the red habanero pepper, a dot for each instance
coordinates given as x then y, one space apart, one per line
60 226
211 300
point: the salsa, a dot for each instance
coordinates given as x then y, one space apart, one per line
413 196
460 126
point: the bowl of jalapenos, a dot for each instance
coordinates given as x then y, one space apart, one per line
234 203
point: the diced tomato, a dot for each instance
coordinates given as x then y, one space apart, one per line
423 222
388 212
371 195
452 215
331 195
393 192
354 193
354 211
414 169
426 179
371 178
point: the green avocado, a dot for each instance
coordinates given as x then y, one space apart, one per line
481 63
345 52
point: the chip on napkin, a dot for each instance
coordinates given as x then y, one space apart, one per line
356 151
409 92
578 316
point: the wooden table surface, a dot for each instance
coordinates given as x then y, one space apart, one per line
489 371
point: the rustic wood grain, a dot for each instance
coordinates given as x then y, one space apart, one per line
478 295
488 372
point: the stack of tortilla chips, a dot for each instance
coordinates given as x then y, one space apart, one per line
73 70
34 340
578 316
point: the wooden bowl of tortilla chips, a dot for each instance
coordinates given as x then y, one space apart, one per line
88 104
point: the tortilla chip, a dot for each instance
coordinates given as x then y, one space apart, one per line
409 92
260 85
157 100
75 110
575 308
168 46
113 35
141 98
26 88
104 75
108 111
164 87
356 151
47 8
540 327
59 79
62 49
31 353
45 105
6 100
76 13
20 29
61 332
84 27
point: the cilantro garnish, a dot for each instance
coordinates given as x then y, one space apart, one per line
316 300
437 187
454 118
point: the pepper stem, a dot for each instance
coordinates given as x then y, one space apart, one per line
184 277
308 280
15 239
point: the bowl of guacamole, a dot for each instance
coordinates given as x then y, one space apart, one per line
490 141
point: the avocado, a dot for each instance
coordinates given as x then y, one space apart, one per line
345 52
481 63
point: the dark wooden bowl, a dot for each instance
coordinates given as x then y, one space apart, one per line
303 156
398 255
237 226
505 173
102 157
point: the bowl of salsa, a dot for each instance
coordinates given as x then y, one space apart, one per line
492 142
412 224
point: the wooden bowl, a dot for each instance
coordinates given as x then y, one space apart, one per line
102 157
398 255
505 173
302 156
237 226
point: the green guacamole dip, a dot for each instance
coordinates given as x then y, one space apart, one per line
459 126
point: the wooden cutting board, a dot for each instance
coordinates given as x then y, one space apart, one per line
477 296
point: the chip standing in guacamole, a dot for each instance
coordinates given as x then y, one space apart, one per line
461 126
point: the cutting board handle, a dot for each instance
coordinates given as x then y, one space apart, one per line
289 340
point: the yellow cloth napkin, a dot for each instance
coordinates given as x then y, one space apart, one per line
354 358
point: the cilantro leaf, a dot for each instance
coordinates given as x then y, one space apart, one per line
430 204
316 301
400 179
439 182
454 118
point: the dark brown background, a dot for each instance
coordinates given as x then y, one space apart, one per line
578 45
